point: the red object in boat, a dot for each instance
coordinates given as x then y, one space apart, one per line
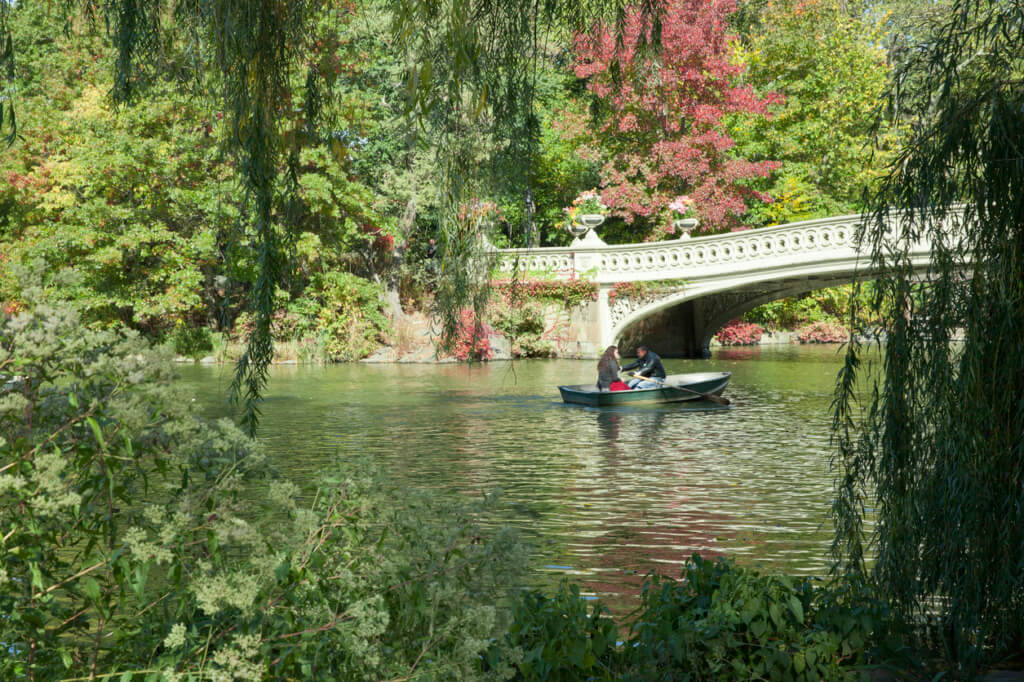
618 386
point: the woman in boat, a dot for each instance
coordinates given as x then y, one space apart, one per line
608 368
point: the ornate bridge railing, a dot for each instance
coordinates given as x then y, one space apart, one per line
795 243
724 274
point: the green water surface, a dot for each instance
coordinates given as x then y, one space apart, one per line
604 495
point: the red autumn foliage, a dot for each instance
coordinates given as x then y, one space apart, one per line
21 182
739 333
823 331
472 342
636 291
663 118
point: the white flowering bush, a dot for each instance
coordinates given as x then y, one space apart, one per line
141 542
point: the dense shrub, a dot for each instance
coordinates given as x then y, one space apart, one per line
829 305
191 342
723 622
739 333
339 316
556 638
523 325
414 280
472 340
350 320
719 622
787 313
132 539
823 332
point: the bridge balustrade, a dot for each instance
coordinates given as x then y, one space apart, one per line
723 274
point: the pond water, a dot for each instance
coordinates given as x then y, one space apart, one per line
603 495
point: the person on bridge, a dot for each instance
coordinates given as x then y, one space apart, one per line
608 368
649 365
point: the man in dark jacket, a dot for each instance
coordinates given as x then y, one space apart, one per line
649 366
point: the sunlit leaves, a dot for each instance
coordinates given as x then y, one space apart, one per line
134 546
134 201
831 70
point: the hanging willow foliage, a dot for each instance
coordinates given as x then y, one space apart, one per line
471 84
939 451
254 53
255 49
8 121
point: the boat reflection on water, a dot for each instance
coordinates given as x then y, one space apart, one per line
647 422
608 425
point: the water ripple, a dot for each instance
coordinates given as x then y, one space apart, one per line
605 495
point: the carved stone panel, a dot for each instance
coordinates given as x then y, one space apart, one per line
623 306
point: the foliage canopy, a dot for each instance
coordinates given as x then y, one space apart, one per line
137 539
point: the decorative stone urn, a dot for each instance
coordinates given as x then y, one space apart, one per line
485 227
577 230
684 226
583 230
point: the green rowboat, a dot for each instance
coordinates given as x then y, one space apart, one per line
677 388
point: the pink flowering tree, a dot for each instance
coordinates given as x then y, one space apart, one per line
661 130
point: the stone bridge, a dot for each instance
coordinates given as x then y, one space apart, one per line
695 285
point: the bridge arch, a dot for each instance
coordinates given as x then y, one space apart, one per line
695 313
707 281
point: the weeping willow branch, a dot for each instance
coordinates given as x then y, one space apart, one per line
255 46
941 445
471 87
253 49
471 78
8 120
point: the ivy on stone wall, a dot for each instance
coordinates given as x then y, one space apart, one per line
570 293
644 291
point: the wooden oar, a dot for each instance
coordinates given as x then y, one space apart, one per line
706 396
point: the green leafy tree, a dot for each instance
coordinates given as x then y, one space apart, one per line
141 202
938 453
253 60
832 73
136 202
